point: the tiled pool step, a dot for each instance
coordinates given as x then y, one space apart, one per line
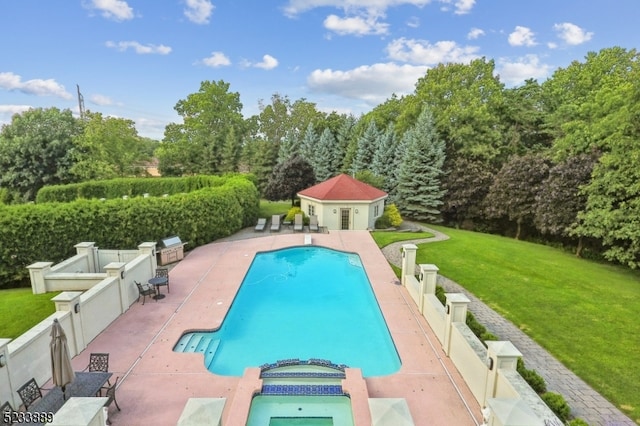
198 342
319 390
301 374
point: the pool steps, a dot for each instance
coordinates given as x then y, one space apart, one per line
319 390
199 342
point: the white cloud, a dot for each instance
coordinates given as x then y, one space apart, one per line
357 25
13 82
515 72
296 7
370 83
217 59
199 11
14 109
552 45
572 34
100 100
268 63
522 36
139 48
425 53
117 10
475 33
413 22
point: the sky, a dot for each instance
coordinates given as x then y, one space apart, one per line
136 59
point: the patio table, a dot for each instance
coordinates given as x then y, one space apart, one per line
85 384
158 282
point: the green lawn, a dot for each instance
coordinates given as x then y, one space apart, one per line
384 238
583 312
20 310
269 208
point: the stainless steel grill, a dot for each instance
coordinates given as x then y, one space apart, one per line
171 249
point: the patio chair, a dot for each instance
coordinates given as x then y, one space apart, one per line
275 223
145 290
29 393
298 224
6 411
262 222
111 397
98 362
164 273
313 223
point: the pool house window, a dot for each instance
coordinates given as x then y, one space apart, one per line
312 210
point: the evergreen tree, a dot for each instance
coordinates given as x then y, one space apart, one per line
383 157
309 145
325 153
344 139
366 146
419 192
230 152
399 153
288 147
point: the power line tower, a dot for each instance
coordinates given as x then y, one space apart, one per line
80 103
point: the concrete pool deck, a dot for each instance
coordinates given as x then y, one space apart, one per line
156 383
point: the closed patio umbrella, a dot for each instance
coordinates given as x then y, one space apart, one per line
61 370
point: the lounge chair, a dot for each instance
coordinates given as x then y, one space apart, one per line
262 222
298 224
313 223
275 223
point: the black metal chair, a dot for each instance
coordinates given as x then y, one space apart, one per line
7 414
111 396
98 362
29 393
145 290
163 273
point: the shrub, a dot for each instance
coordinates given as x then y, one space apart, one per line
558 405
577 422
291 215
440 295
534 380
390 218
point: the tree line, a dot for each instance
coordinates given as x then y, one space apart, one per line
557 159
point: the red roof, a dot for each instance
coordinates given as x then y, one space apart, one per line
343 187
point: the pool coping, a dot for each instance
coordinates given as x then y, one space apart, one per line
156 382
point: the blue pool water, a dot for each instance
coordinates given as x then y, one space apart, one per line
300 302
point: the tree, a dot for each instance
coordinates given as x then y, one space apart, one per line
308 146
325 156
366 146
230 154
467 183
195 146
289 178
344 138
288 147
514 189
383 157
36 149
419 193
108 147
559 200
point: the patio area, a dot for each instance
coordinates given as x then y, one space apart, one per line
156 383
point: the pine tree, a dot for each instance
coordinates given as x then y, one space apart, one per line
325 153
288 146
344 139
383 156
366 145
309 145
230 154
419 191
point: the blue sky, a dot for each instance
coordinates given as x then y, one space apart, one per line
136 58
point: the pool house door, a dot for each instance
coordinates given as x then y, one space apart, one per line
345 219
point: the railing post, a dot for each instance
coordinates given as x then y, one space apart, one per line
116 269
428 277
6 392
456 310
37 272
69 301
87 249
500 355
149 248
408 261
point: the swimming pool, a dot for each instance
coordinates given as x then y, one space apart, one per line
300 303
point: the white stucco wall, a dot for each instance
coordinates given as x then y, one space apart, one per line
329 212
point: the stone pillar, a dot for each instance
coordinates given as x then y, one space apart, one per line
6 392
69 301
456 309
408 261
149 248
88 249
428 277
116 270
37 272
500 355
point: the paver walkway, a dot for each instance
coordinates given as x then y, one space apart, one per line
585 402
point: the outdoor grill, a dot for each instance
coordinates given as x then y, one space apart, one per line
171 249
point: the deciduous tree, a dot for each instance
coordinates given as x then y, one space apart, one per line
289 178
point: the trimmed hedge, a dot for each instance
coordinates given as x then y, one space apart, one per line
131 187
49 231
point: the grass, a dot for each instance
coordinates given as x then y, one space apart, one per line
269 208
583 312
384 238
20 310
